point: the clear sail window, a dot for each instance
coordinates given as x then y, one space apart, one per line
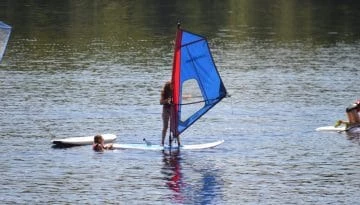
191 99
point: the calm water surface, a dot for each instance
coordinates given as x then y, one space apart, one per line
87 67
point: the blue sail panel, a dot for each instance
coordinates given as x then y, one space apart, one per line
197 65
5 31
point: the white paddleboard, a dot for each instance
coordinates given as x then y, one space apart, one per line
351 130
73 141
167 147
331 128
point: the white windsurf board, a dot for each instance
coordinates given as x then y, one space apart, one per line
73 141
167 147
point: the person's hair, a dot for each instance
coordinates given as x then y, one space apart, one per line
167 89
98 139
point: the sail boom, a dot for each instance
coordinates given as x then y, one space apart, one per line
187 123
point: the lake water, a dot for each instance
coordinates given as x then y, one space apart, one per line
78 68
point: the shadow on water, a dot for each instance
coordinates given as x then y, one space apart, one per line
203 190
63 146
354 135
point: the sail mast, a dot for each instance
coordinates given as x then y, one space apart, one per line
175 81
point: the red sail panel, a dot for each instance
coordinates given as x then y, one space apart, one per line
176 84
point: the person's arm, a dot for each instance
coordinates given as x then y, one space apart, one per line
108 146
163 100
340 122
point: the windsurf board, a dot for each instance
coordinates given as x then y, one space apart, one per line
167 147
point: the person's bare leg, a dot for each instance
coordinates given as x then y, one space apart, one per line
178 140
165 118
163 136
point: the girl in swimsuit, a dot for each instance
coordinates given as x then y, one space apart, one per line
99 145
353 114
165 101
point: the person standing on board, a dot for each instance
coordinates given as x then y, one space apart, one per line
165 101
99 145
353 114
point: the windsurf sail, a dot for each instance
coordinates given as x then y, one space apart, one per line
197 86
5 31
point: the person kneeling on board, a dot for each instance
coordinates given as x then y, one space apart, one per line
353 114
99 145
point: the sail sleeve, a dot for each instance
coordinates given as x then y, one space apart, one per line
5 31
175 80
193 63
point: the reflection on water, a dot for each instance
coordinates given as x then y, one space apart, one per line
210 188
91 30
204 189
173 175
